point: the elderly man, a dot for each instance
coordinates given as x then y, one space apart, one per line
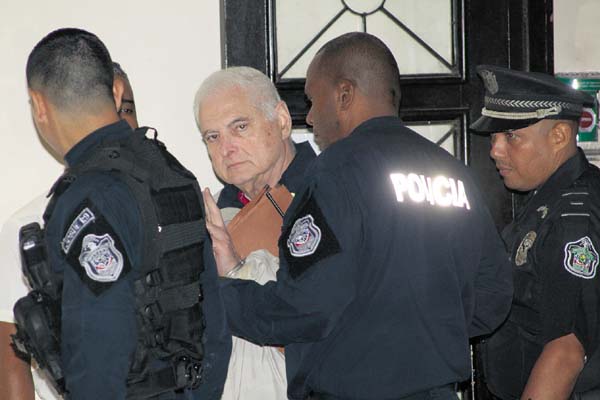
389 258
554 322
247 131
15 378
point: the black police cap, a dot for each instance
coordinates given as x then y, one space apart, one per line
517 99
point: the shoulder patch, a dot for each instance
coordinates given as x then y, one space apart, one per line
581 258
94 250
304 238
79 223
100 258
307 240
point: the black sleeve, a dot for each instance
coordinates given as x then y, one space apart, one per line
316 279
569 260
493 283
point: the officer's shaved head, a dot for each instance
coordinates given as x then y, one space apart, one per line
73 69
366 61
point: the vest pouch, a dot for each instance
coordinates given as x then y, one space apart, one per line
37 319
34 261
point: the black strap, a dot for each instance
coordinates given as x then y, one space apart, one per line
185 373
174 299
179 235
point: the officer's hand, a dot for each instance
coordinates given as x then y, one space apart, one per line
223 249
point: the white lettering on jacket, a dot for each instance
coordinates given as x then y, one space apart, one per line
438 191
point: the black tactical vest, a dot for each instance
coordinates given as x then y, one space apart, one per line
169 294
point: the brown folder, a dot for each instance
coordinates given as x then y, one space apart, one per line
258 224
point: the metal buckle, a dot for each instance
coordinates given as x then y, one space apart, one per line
153 310
153 278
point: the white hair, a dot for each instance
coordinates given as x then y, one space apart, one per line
259 88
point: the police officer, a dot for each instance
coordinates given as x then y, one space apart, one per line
123 236
17 376
127 111
553 324
389 258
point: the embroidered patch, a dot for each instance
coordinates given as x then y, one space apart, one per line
100 258
79 223
581 258
526 244
489 80
307 240
96 240
304 238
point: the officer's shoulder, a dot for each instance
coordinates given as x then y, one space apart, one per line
585 189
577 220
579 203
104 189
105 182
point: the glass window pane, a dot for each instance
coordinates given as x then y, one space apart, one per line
444 134
418 32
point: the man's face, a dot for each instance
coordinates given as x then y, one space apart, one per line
245 147
127 110
323 114
524 157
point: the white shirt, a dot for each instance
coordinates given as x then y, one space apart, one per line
255 372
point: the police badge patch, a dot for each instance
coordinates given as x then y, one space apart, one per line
581 258
94 250
100 258
304 238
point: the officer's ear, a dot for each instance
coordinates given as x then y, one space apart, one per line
39 106
562 134
118 89
346 91
284 120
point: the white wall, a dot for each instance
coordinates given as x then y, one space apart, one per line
576 45
167 49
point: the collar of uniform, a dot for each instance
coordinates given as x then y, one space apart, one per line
562 178
78 152
229 197
376 123
292 177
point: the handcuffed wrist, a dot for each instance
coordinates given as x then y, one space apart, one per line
236 268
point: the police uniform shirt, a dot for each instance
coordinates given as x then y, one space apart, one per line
554 243
389 263
93 240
